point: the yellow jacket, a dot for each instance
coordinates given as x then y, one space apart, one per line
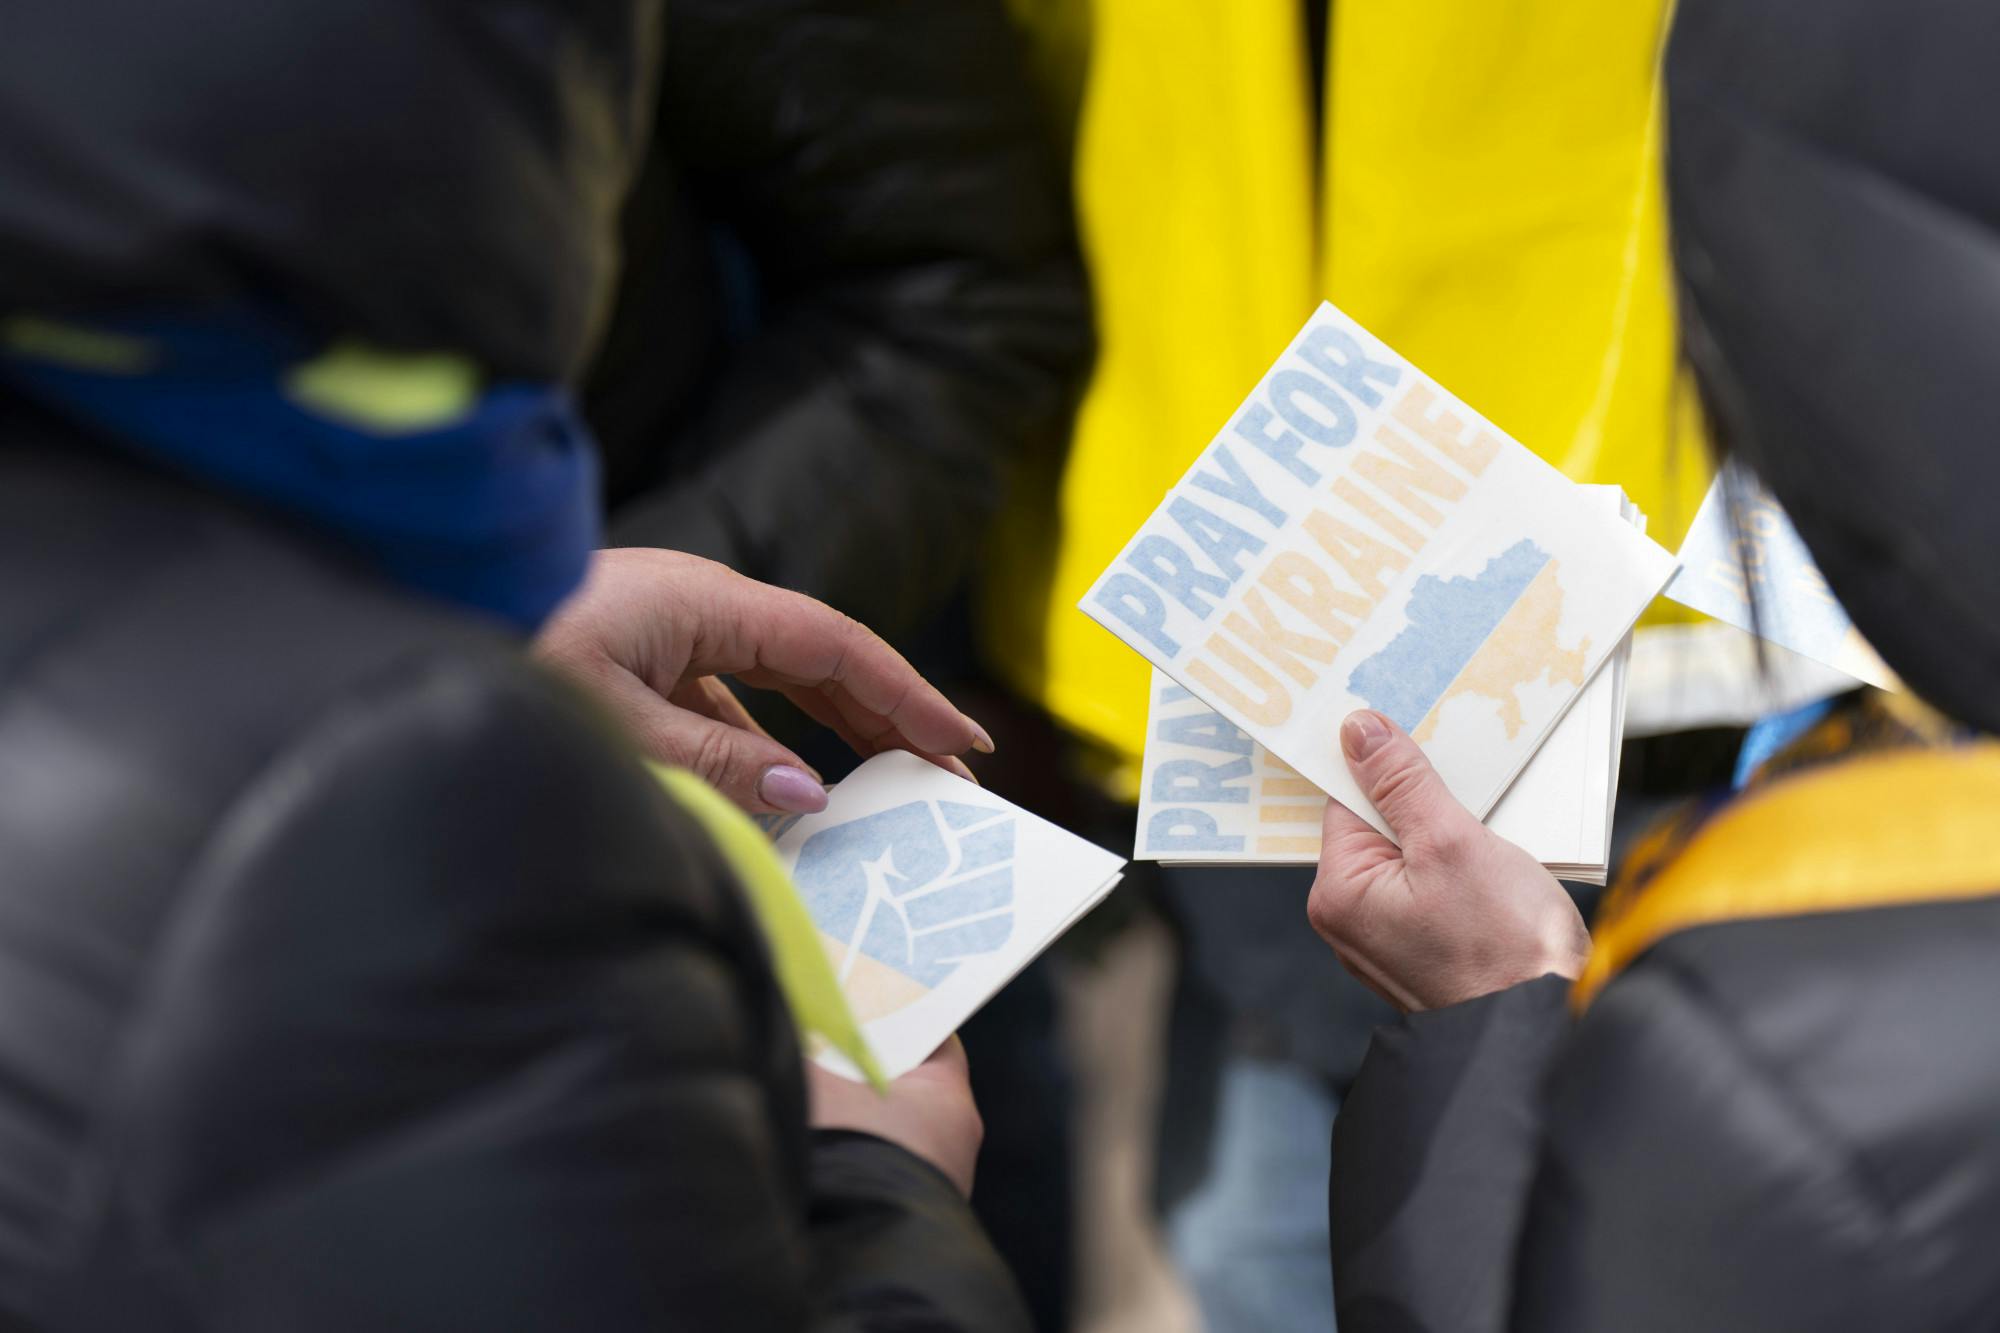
1487 201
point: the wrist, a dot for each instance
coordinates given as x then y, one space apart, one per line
943 1167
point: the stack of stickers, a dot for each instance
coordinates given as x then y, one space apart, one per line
929 894
1210 795
1356 537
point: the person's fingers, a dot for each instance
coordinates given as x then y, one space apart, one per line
804 642
878 729
820 705
1350 853
745 765
820 709
878 733
713 699
949 1058
1400 782
1350 844
837 1101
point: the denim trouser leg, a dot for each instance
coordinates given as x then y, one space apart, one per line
1252 1238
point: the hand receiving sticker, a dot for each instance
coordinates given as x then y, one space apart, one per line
652 633
1456 911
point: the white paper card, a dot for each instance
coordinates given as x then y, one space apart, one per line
1715 675
1358 538
930 893
1729 560
1208 794
1214 796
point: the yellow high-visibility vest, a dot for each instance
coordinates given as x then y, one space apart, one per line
1487 200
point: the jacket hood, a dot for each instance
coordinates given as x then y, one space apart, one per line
1835 201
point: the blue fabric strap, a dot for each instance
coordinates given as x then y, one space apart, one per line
1772 733
485 497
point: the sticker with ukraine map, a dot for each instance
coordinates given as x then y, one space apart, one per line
1356 537
929 894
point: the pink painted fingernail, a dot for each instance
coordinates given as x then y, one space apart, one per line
792 790
1363 734
980 740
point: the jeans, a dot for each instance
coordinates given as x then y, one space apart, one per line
1251 1239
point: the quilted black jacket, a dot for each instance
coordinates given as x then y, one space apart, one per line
352 978
852 312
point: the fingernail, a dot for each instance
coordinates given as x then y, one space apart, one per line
958 767
792 790
1363 734
980 740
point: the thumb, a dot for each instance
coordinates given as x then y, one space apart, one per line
1399 781
752 770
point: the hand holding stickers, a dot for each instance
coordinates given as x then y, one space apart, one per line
1357 538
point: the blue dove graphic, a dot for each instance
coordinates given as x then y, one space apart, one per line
918 887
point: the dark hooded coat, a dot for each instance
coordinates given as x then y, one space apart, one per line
1788 1120
352 975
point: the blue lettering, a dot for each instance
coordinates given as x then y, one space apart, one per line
1202 784
1237 486
1220 540
1208 731
1339 357
1289 387
1173 571
1187 831
1254 424
1134 602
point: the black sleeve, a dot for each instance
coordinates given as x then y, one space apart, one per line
878 1217
467 1028
1719 1148
924 323
1434 1151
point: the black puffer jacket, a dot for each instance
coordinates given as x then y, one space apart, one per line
412 173
1786 1117
852 312
352 978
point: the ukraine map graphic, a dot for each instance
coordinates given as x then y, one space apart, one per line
1487 635
902 897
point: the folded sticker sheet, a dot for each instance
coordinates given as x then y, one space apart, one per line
1356 537
929 894
1209 795
1213 796
1744 564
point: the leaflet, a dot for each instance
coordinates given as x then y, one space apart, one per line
1356 537
1745 565
930 893
1209 795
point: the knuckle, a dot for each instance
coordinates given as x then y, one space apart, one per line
851 634
1399 783
713 756
1452 845
1327 908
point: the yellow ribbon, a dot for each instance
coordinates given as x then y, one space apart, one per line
1903 826
819 1007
